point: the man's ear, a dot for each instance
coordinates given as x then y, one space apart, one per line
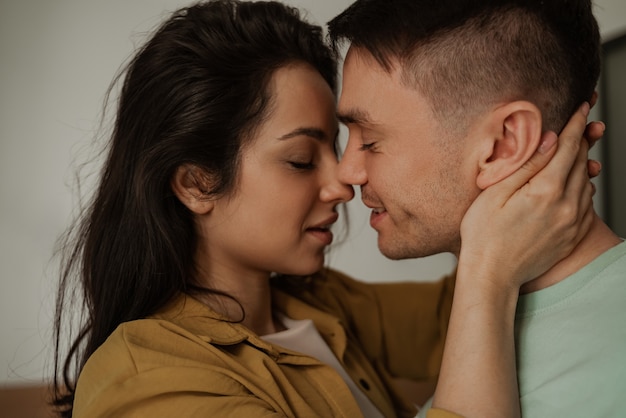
513 133
190 184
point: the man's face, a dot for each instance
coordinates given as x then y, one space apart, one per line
413 175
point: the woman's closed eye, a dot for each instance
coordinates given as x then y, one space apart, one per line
302 165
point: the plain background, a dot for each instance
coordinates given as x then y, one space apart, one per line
57 59
614 96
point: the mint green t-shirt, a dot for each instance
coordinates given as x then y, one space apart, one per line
571 343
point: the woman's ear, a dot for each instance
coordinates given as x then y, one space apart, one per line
190 184
514 133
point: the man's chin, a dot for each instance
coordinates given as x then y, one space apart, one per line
398 250
394 251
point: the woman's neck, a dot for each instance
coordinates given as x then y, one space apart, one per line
247 291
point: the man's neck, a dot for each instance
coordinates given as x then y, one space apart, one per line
599 239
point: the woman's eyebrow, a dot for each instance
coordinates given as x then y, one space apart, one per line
315 133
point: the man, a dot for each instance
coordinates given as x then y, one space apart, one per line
446 98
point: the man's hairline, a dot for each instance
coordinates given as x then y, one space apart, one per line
390 62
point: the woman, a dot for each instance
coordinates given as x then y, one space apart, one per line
200 258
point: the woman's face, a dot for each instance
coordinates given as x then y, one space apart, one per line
278 218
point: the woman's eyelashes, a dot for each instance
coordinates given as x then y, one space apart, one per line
304 165
311 155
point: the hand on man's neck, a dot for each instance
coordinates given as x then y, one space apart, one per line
599 239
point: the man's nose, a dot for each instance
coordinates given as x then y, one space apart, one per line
351 168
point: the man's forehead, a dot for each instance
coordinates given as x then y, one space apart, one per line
363 86
376 61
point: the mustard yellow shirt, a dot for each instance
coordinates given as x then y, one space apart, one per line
188 361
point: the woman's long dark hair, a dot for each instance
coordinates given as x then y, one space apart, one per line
194 93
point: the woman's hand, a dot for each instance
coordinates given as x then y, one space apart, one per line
514 231
529 221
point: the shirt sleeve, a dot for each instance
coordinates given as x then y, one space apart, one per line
427 411
170 392
440 413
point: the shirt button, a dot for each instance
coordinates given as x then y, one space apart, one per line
364 384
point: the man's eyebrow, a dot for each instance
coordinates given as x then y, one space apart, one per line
315 133
353 116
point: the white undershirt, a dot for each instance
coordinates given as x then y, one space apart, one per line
302 336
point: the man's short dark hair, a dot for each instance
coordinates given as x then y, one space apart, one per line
465 55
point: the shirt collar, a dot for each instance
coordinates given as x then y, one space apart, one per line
192 315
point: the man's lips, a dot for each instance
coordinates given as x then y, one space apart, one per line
376 208
377 215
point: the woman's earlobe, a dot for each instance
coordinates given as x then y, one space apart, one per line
191 184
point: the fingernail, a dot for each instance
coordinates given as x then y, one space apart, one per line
585 109
548 142
594 168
